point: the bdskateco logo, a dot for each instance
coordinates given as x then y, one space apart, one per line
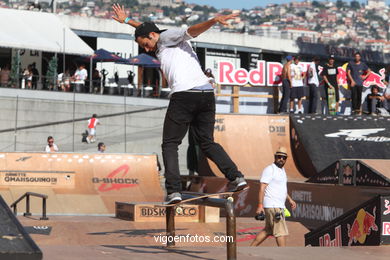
160 212
361 135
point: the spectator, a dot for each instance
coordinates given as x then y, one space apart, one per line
375 100
330 73
298 73
35 75
313 82
101 147
130 77
357 72
286 84
272 198
66 80
92 123
96 78
79 77
51 147
4 76
104 74
27 77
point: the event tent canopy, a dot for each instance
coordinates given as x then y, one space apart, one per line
39 31
145 60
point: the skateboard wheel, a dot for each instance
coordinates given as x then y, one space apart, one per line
179 210
231 199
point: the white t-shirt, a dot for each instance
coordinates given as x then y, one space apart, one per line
80 76
296 75
314 79
276 190
47 149
179 62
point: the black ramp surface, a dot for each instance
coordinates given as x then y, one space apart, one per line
15 243
318 141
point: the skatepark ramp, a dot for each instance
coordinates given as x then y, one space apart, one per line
355 172
251 141
79 183
15 242
366 225
317 141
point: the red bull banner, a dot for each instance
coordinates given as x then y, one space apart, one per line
365 225
268 73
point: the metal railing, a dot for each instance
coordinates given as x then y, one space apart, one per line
27 196
227 204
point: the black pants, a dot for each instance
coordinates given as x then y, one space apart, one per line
198 110
356 94
313 98
285 96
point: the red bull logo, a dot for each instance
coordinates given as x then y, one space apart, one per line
325 240
361 227
375 79
387 206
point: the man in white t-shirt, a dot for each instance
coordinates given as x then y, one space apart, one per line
313 82
51 147
192 100
272 198
80 76
298 74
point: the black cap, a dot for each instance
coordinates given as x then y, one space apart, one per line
145 28
331 57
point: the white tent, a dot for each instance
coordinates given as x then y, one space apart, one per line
39 31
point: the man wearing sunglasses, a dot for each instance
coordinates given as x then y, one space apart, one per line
192 101
272 198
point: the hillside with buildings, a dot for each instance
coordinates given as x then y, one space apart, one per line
349 24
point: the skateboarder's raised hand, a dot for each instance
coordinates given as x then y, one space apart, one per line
199 28
120 16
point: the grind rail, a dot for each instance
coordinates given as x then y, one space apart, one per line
227 204
27 196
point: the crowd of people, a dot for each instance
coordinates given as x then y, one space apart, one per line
295 76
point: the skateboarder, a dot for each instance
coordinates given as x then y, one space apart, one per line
192 97
330 77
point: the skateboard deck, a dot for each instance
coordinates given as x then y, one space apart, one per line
200 195
332 101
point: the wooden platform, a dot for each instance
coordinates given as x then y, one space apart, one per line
251 141
150 212
79 183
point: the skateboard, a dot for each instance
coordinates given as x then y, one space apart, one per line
199 195
332 101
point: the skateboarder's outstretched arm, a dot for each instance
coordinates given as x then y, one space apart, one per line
120 15
200 28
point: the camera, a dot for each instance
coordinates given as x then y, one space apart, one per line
260 216
278 216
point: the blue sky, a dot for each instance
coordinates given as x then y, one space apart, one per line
239 4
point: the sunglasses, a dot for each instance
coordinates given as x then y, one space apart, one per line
281 157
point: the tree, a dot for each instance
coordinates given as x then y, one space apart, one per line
339 4
15 69
317 4
128 3
51 74
355 5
